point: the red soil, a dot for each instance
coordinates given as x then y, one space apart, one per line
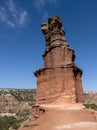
63 117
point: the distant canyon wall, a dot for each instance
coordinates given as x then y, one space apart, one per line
15 100
90 97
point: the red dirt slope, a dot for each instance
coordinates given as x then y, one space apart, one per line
63 117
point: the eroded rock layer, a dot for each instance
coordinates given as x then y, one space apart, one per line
60 79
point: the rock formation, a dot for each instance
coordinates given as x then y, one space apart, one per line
59 79
59 94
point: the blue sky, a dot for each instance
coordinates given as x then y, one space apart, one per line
22 42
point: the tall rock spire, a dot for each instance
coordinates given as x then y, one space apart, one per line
60 79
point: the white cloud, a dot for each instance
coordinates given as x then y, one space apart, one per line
23 16
41 3
12 15
11 24
12 8
4 17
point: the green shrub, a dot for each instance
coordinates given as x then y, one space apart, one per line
91 106
16 126
7 122
25 125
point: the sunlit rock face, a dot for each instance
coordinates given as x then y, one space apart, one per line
60 79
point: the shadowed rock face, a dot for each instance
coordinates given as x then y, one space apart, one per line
60 79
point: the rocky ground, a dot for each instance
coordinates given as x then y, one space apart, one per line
63 117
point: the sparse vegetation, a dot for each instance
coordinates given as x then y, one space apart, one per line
16 98
91 106
25 125
7 122
24 114
18 101
26 95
